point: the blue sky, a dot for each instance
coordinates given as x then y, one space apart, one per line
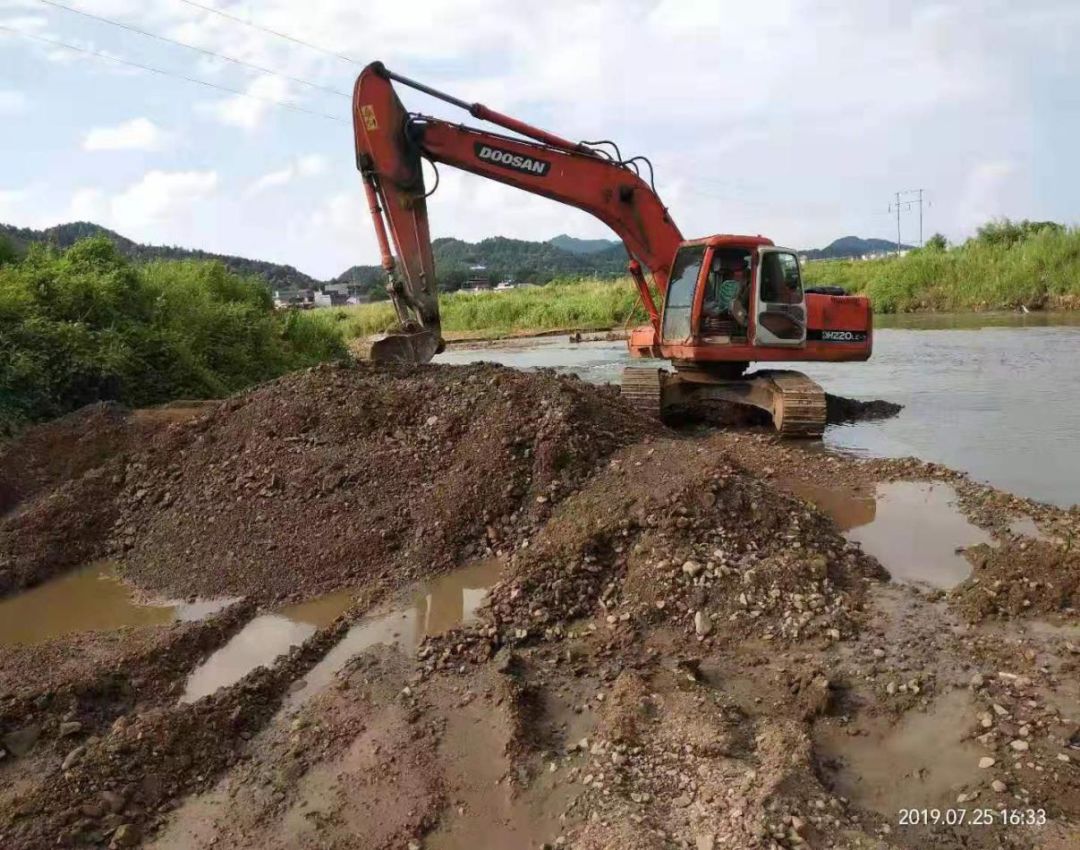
794 119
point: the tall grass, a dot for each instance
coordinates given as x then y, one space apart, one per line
561 305
1040 271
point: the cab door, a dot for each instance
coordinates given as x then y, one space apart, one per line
780 306
679 301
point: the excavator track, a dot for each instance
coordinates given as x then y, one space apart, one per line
644 388
798 405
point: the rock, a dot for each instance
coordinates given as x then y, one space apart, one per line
112 801
72 758
72 727
126 835
977 681
1020 745
705 841
505 660
19 742
702 623
1063 757
986 762
692 568
999 786
879 653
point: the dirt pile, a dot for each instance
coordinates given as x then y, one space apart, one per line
59 482
343 475
1020 578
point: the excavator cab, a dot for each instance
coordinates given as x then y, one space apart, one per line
732 301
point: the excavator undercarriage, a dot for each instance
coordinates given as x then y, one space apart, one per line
795 404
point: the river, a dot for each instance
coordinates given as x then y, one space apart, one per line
996 395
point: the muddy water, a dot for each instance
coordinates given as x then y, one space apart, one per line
996 395
92 599
437 605
914 528
925 759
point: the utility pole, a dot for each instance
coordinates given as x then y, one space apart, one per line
897 205
904 200
920 218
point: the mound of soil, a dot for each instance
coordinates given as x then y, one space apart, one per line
59 482
1020 578
351 474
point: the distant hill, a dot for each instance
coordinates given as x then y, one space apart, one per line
847 247
277 276
583 246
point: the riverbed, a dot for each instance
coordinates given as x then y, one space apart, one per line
996 395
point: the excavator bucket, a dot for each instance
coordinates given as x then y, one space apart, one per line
415 348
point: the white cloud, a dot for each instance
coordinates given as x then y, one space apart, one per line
159 195
311 165
11 102
138 134
990 191
88 205
11 203
248 112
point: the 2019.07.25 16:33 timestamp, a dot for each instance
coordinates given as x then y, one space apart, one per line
971 817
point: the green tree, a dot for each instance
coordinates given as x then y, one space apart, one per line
8 253
937 242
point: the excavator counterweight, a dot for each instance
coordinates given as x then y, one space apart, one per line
715 305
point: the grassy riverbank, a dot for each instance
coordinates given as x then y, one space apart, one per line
1004 268
1007 266
561 305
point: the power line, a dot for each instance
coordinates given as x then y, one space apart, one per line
86 50
202 50
286 36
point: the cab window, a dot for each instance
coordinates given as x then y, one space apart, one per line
680 295
780 282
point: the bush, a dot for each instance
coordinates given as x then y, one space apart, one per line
88 325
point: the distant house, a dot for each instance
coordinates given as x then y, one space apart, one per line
303 298
479 279
504 285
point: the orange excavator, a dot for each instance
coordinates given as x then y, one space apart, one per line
715 305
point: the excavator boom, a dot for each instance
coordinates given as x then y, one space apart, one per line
391 145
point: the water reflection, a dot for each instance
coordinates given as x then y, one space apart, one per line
92 599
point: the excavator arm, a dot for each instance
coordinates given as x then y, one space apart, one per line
391 144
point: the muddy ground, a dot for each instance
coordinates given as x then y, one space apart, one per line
690 639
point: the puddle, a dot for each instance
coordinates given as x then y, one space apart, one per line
914 528
262 640
440 604
847 508
1024 526
923 760
92 599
